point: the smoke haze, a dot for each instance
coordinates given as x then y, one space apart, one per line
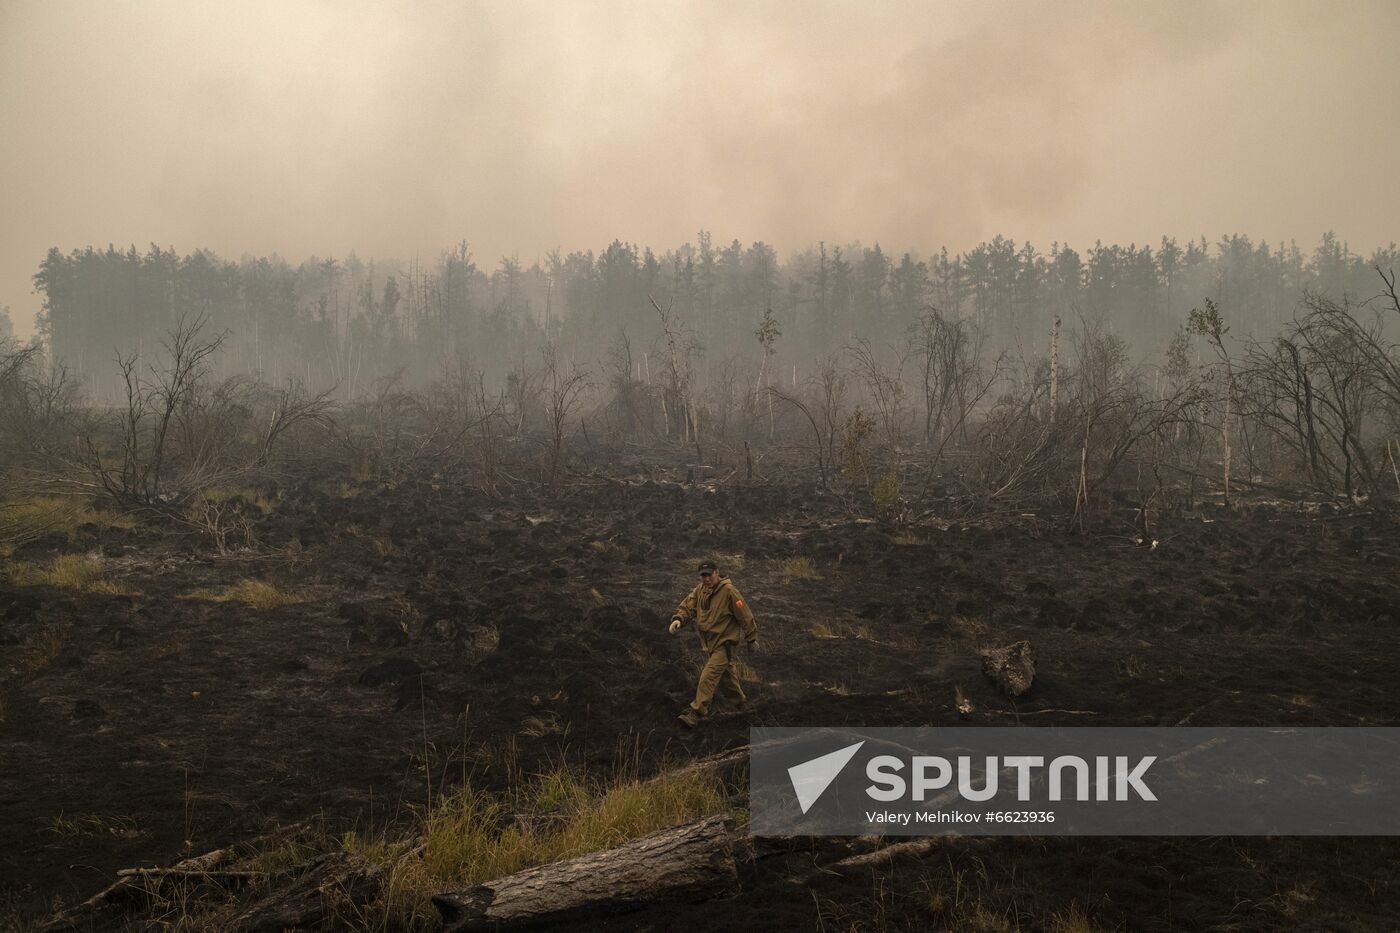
318 128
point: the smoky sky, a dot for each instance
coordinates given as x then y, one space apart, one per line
398 129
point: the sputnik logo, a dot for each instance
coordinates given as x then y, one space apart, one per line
811 778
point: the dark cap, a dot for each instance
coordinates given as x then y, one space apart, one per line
707 566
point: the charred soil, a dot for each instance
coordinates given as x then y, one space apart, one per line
384 638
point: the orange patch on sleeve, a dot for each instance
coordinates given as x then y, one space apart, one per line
738 602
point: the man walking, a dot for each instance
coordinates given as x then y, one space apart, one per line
721 616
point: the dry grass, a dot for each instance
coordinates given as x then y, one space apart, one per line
92 825
256 593
1074 919
184 907
1130 667
86 573
473 836
745 672
485 641
828 630
728 563
42 648
947 899
409 619
224 495
540 726
798 568
608 550
282 855
30 518
969 628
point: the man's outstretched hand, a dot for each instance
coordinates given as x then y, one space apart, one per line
753 646
675 626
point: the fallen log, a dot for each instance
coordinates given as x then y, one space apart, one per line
327 884
694 860
887 854
720 763
194 875
884 851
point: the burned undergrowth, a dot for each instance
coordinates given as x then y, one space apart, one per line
437 641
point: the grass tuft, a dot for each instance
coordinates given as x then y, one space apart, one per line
256 593
540 726
969 628
281 856
608 550
485 641
798 568
1075 919
27 519
86 573
224 495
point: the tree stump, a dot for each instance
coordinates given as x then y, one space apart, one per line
694 860
1012 668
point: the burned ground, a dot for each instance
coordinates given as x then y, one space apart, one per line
427 629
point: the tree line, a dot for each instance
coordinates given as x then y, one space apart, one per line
352 323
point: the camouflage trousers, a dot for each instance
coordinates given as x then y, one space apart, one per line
718 676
